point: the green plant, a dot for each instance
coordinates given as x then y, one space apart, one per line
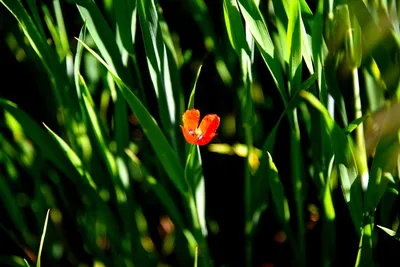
110 160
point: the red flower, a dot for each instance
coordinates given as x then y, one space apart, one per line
199 135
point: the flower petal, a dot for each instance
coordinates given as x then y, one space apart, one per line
191 119
191 139
209 124
205 139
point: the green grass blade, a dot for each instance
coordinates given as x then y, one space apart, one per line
354 124
61 27
36 16
192 94
344 157
53 30
270 141
73 157
40 46
175 61
317 46
281 205
256 24
164 152
382 170
103 38
244 47
294 45
42 239
306 47
372 35
278 193
77 66
194 170
13 261
45 143
234 27
195 178
390 232
93 120
126 12
196 256
386 205
158 66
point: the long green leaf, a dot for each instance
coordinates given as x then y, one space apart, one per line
270 141
42 239
39 44
73 157
382 169
350 181
194 170
294 45
277 192
126 12
103 37
162 148
157 61
256 24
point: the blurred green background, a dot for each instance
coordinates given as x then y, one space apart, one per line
304 170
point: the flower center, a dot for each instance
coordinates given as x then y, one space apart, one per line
195 132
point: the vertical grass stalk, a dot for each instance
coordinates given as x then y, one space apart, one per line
297 183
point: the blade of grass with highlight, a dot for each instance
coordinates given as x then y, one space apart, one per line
373 35
196 257
36 16
195 178
46 145
157 60
103 38
344 157
175 61
244 48
87 187
318 51
126 11
382 170
270 141
39 44
42 239
73 157
55 151
194 170
162 148
234 27
192 94
62 30
281 205
119 179
77 66
93 121
390 232
256 24
294 43
278 194
354 124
